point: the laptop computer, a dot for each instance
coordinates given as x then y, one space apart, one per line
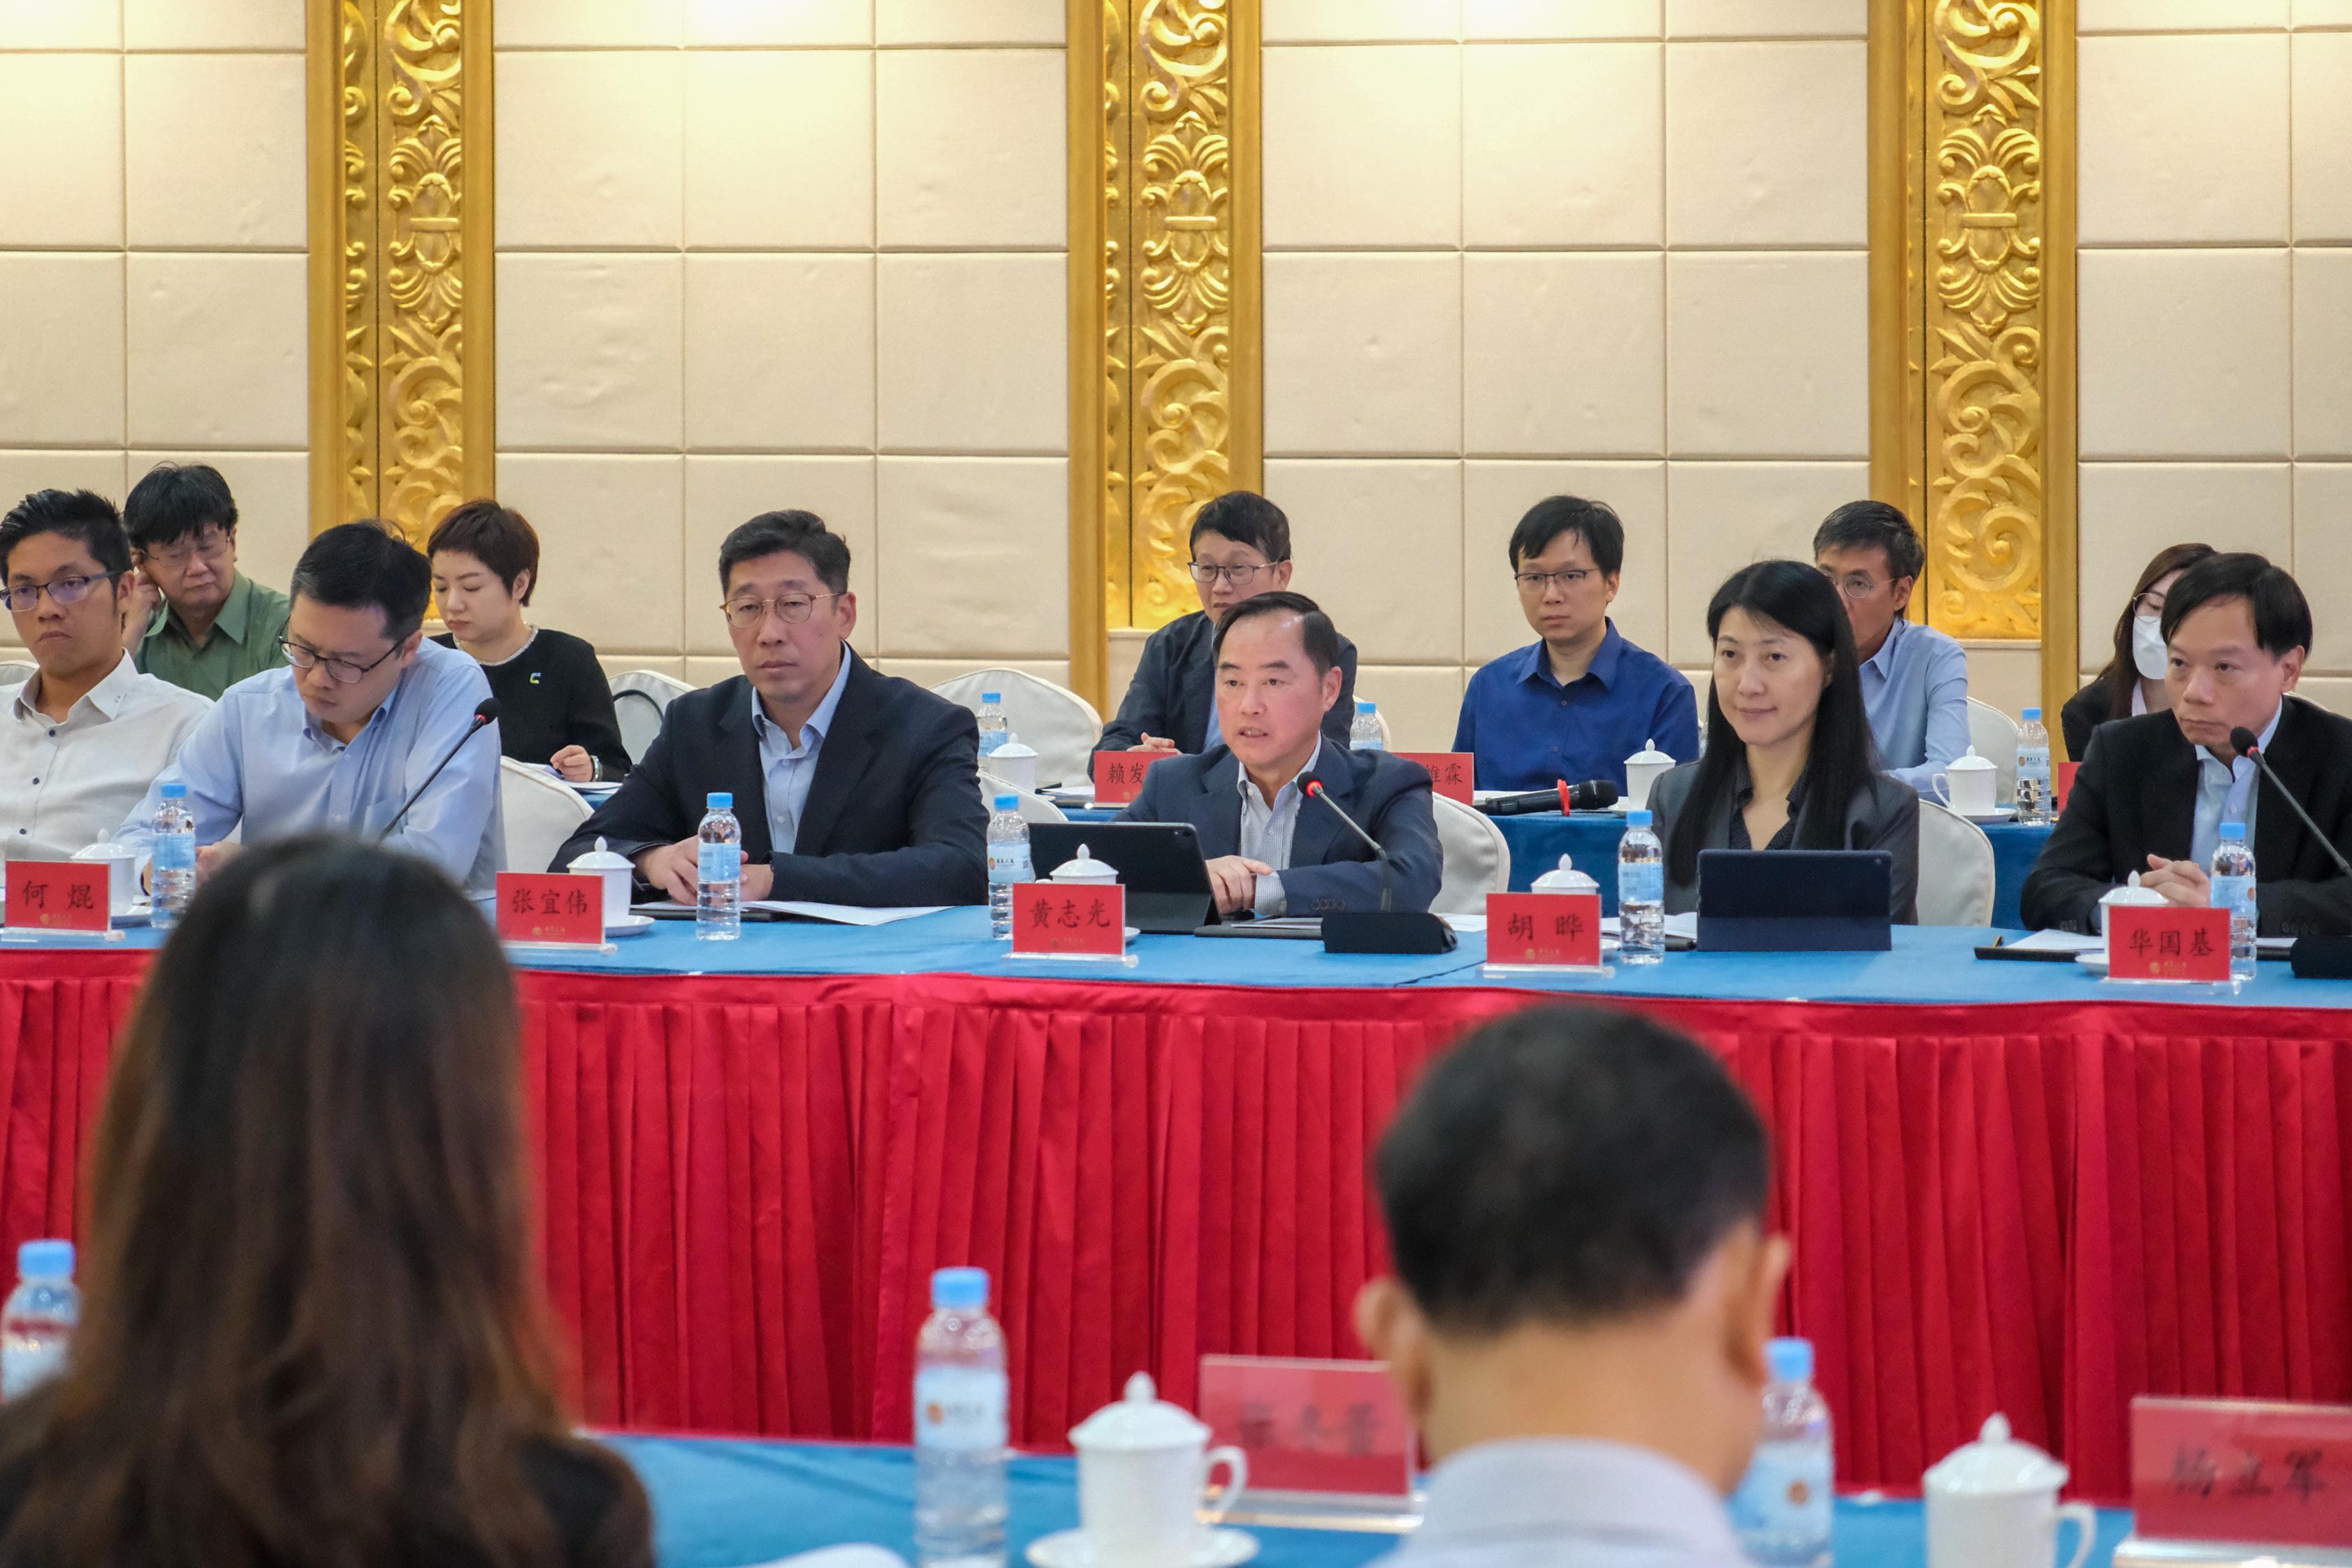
1795 900
1158 863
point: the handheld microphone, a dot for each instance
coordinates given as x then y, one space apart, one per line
486 713
2244 742
1596 794
1403 930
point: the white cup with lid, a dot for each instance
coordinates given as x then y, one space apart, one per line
1968 786
121 876
1643 769
1564 879
1085 869
1143 1471
620 880
1994 1503
2131 895
1013 762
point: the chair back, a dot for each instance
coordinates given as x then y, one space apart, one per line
1033 807
1994 735
541 812
1052 720
1956 869
1477 859
639 699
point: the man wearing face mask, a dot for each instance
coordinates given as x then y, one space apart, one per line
2133 681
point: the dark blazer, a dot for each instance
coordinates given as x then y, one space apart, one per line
1330 869
1175 687
2136 796
2083 712
1885 815
894 815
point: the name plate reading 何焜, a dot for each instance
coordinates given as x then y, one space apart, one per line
550 907
1451 774
1544 930
1059 920
58 895
1118 776
2170 942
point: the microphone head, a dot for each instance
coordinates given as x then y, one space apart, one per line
486 711
2244 742
1603 791
1314 786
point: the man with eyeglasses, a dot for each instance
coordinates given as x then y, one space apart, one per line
356 723
216 625
86 733
1573 705
1915 680
853 787
1241 548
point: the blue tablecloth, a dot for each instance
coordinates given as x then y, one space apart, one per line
724 1504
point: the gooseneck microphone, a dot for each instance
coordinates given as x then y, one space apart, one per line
486 713
1387 930
1595 794
2244 742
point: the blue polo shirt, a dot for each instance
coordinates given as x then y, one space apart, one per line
1528 731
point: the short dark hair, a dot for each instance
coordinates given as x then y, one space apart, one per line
500 537
803 533
1315 627
83 516
2281 615
1247 518
1594 521
173 502
1874 525
1566 1165
359 565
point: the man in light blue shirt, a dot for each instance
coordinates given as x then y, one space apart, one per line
791 768
1915 680
340 739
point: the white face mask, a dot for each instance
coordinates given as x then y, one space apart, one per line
2148 647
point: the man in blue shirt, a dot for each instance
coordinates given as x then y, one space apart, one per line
357 720
1575 705
1915 680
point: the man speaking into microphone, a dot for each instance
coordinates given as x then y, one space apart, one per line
1273 850
352 728
2155 790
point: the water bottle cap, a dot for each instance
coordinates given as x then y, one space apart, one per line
1637 819
721 800
2234 830
2034 715
1008 802
1366 708
959 1289
44 1260
175 791
991 697
1791 1360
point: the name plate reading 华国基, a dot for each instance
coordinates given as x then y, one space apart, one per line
2146 941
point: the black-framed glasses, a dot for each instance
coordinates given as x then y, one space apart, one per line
1853 584
1205 573
211 546
72 590
792 609
1541 581
347 671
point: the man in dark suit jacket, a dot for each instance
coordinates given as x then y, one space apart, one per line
1242 543
2154 791
853 787
1272 849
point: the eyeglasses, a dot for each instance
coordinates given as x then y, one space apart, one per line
744 615
2148 604
1853 584
345 670
26 597
210 547
1205 573
1541 581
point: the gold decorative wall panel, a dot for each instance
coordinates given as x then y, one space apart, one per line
403 393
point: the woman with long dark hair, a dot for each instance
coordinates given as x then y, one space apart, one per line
313 1330
2133 681
1789 762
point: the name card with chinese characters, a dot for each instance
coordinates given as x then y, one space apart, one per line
551 907
1546 930
2064 784
2146 942
1118 776
1451 774
1330 1426
58 895
2263 1473
1059 918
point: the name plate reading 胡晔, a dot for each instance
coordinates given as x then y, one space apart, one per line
1451 774
550 907
1544 930
1058 919
2255 1471
58 895
1118 776
2171 943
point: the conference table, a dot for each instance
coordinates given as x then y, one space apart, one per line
2010 1185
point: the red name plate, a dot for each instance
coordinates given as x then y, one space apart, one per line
1066 917
1451 774
1544 928
2064 785
58 895
550 907
1118 776
1310 1426
2145 943
2240 1470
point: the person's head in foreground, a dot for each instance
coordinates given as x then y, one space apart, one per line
360 594
2236 632
313 1329
1277 662
1575 1202
1241 548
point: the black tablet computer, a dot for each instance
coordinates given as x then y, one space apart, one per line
1795 900
1158 863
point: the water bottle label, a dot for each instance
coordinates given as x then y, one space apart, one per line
720 863
2235 894
1786 1493
175 852
25 1367
1641 882
960 1408
1009 863
992 742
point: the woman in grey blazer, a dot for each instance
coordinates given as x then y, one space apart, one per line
1789 762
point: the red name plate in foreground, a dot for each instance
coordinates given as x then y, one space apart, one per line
1544 929
1331 1427
1050 917
2240 1470
58 895
1118 776
2064 786
2145 943
1451 774
553 906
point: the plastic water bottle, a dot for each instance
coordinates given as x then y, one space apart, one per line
1782 1509
2233 890
718 900
1641 893
1364 734
1008 863
173 868
960 1393
38 1323
2032 769
996 729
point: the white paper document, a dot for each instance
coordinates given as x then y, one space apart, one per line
844 914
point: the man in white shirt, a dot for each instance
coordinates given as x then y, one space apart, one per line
86 733
1575 1201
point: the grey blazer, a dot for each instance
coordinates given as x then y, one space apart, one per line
1885 816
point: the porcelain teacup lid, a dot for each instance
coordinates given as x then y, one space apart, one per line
1649 756
2133 893
1085 868
1968 762
1140 1420
600 859
1564 879
1995 1464
1013 747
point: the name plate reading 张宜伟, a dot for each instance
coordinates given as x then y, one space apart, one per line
1543 930
1451 774
1069 920
1329 1445
554 907
2258 1472
2171 941
1118 776
57 896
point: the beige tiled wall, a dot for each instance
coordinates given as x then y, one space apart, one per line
2216 142
151 240
754 256
1517 246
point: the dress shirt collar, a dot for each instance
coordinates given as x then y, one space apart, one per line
1535 662
1744 786
108 697
820 723
1249 790
315 733
1563 1489
1883 660
236 617
2237 764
